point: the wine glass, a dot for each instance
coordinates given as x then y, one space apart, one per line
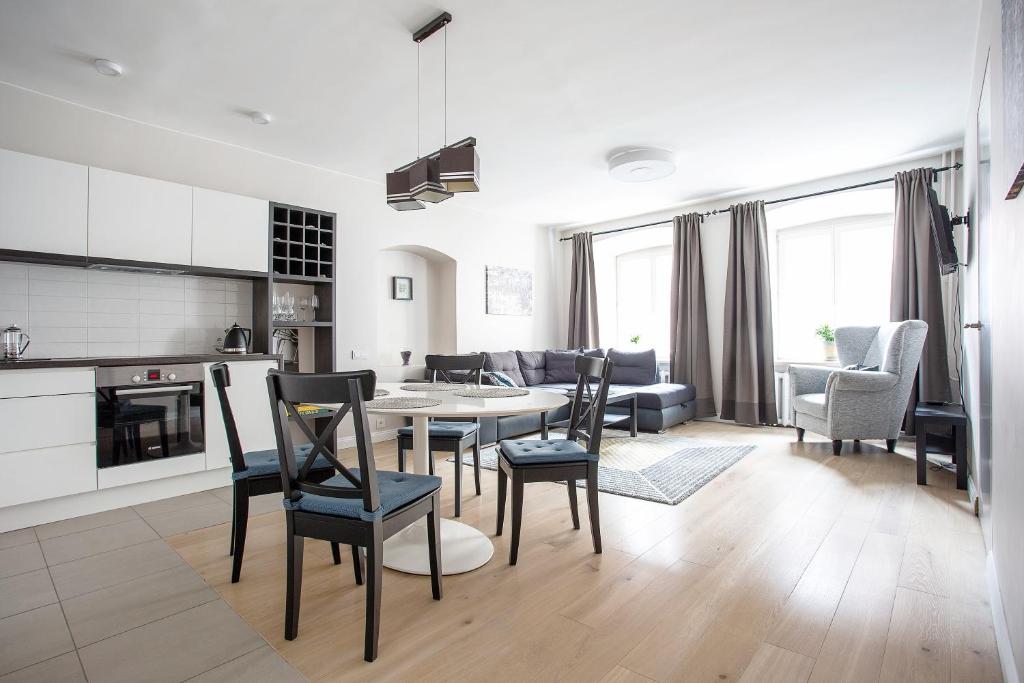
303 305
314 302
276 310
289 306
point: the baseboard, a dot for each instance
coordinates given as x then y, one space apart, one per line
375 437
1003 644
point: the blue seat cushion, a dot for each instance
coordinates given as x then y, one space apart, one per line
445 429
258 463
539 451
397 489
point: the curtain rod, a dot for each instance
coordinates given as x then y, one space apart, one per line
715 212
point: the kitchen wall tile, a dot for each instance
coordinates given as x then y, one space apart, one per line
204 308
205 322
57 273
130 306
57 303
11 285
19 318
113 334
161 293
13 270
158 307
162 348
109 349
205 295
13 302
56 288
113 277
162 322
58 335
113 320
166 281
57 350
58 319
151 334
107 290
204 283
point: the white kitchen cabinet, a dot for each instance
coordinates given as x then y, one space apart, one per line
139 219
43 204
45 421
46 382
46 473
229 231
250 405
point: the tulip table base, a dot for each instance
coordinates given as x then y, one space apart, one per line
463 549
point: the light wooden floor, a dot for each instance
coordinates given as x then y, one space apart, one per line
793 565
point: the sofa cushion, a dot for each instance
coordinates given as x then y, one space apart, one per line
633 367
594 353
531 364
810 404
537 451
663 395
504 361
560 366
500 379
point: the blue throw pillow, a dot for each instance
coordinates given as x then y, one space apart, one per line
500 379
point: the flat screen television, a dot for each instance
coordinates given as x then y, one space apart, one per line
942 230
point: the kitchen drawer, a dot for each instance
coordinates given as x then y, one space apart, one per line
47 473
45 421
162 468
48 382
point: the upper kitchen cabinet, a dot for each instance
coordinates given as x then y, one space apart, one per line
42 204
229 231
139 219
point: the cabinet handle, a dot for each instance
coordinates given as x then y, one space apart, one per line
972 326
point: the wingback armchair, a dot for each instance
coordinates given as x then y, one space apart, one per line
863 403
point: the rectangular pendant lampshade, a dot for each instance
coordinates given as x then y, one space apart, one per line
399 196
425 182
460 169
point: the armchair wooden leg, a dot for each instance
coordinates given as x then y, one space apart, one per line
336 552
517 515
374 575
890 445
572 504
592 505
293 595
837 446
502 491
434 545
239 524
357 564
799 433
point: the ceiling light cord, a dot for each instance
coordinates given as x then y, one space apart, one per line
417 100
444 140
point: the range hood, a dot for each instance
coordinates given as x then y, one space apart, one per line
152 270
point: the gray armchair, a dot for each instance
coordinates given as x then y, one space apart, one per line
862 403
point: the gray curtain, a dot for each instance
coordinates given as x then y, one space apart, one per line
917 285
583 332
690 352
748 362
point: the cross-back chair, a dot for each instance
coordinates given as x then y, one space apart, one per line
524 461
359 506
449 436
256 473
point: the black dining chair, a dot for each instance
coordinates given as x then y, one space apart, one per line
447 436
358 506
256 473
530 460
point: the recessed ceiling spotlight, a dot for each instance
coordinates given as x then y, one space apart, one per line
108 68
641 165
261 118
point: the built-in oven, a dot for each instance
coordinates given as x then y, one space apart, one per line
145 414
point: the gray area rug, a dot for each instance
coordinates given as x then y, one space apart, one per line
657 467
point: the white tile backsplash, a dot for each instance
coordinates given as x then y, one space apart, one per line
71 312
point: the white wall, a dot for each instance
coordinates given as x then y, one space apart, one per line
715 241
403 325
37 124
1005 512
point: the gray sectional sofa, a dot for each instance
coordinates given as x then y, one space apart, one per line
660 405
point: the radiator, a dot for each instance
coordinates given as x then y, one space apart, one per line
782 398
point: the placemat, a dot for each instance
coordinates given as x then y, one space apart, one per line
492 392
403 402
431 386
381 392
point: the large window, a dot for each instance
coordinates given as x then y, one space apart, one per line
642 299
836 272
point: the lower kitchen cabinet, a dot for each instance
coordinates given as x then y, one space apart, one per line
45 473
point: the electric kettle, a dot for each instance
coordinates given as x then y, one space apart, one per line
236 340
12 346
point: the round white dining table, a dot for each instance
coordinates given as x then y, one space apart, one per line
463 547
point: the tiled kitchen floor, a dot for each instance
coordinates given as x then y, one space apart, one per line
105 598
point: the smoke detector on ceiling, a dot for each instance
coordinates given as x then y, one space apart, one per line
641 165
108 68
261 118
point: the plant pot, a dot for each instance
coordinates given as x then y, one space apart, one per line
830 350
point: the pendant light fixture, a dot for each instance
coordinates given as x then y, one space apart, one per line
453 168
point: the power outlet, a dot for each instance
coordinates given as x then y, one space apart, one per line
358 354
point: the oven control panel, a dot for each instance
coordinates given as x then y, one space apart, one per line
154 375
128 376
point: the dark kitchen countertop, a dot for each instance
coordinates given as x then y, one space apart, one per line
156 361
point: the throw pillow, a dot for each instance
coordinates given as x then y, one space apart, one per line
531 365
633 367
560 367
504 361
500 379
865 368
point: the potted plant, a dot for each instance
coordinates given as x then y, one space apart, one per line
828 341
635 339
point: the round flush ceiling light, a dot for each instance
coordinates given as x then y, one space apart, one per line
260 118
641 165
108 68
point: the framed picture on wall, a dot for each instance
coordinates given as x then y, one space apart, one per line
401 288
509 291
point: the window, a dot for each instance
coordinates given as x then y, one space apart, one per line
642 299
836 272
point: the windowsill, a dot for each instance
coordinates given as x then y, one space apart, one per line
783 365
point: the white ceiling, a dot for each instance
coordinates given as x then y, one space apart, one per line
748 93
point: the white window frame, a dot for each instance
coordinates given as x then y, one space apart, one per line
649 254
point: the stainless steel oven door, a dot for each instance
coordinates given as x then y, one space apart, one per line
137 424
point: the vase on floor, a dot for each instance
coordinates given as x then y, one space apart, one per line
830 351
